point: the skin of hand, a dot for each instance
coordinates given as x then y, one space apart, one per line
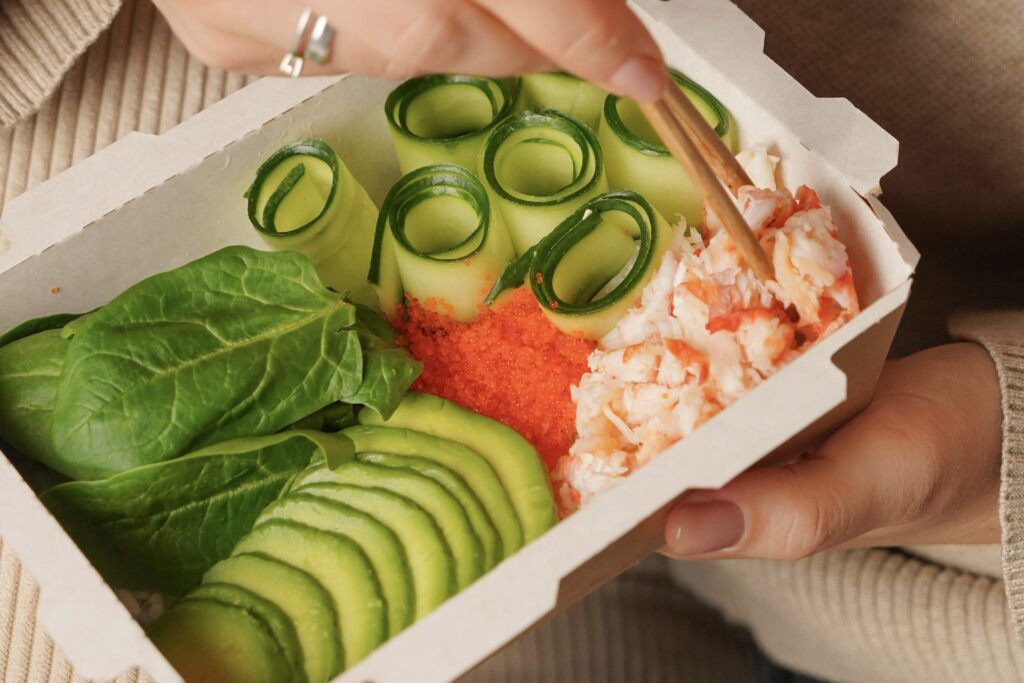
600 40
920 465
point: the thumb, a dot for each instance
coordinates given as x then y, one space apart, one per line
859 480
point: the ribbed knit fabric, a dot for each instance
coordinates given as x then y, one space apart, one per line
38 42
1002 333
135 77
27 653
873 616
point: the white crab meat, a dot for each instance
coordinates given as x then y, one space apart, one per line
706 331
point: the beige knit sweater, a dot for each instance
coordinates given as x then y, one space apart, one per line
924 614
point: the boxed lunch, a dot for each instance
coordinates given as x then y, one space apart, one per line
344 378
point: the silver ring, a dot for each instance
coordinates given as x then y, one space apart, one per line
318 49
292 63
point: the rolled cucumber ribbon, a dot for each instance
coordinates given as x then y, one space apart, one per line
439 240
444 119
593 267
539 167
305 199
564 92
636 159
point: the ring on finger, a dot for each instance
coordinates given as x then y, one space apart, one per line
318 49
312 45
292 63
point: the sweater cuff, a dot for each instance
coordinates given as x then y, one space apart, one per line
1002 334
39 41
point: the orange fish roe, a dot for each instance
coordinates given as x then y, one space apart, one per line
509 363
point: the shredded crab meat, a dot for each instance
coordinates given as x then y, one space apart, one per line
705 331
760 165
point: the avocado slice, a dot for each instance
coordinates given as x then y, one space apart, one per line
341 567
464 461
212 642
430 559
465 547
308 605
264 611
380 544
515 461
455 485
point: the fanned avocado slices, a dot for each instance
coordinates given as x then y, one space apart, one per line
269 614
210 641
378 541
463 542
515 461
464 461
430 560
350 555
455 485
301 597
338 564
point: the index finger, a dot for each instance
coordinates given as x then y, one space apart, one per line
600 40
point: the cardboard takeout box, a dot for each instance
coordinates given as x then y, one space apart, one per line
149 203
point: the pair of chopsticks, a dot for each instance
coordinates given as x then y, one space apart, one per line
706 159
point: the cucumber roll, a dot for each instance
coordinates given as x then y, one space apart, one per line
593 267
444 119
438 239
564 92
305 199
636 159
539 167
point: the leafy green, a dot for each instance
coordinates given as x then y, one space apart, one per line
388 371
161 526
37 325
375 324
338 416
29 374
332 418
238 343
311 421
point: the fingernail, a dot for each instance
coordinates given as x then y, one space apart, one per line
701 528
641 78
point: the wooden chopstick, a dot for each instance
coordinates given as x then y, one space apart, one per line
714 151
673 121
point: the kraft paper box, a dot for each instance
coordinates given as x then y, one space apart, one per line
150 203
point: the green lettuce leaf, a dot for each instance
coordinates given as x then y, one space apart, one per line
238 343
388 371
29 374
160 527
332 418
37 325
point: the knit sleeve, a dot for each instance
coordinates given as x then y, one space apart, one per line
39 41
1002 333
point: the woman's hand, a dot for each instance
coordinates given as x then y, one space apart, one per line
600 40
920 465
